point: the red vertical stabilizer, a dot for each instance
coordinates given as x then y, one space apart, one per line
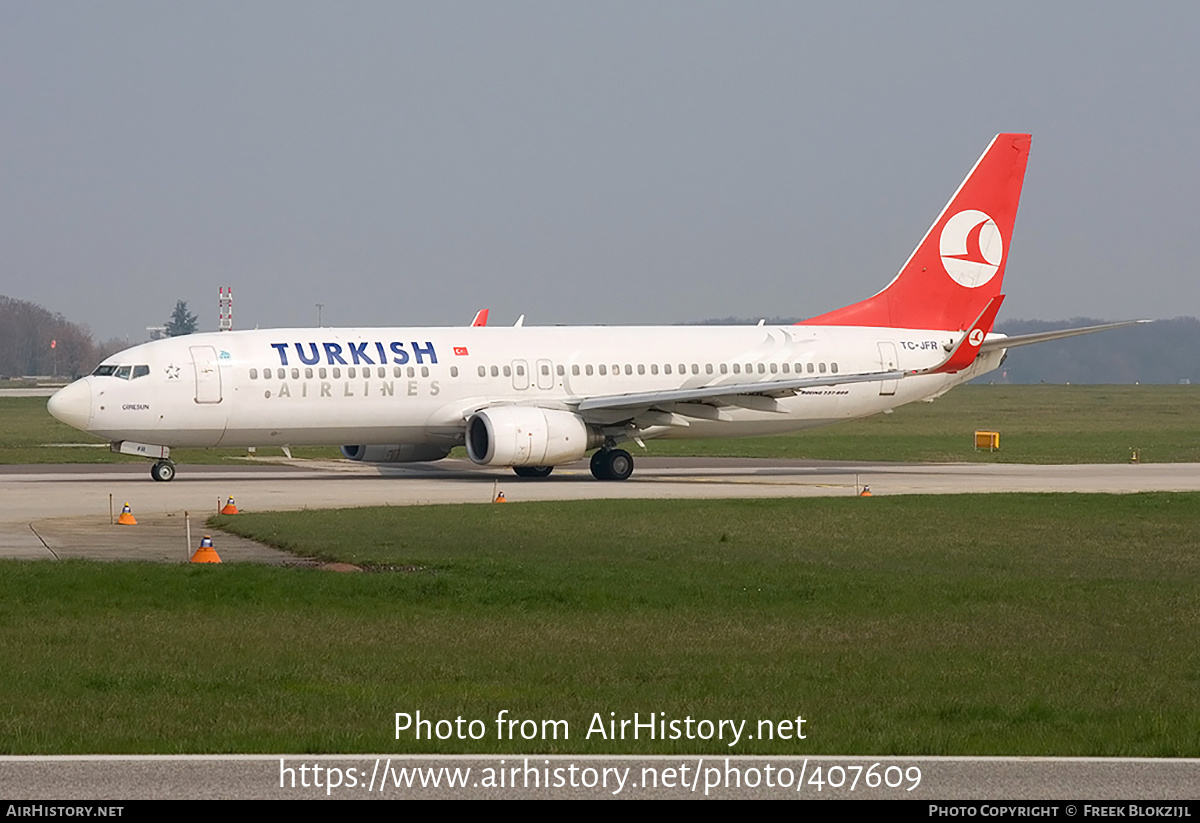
958 267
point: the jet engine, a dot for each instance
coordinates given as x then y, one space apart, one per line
399 453
528 436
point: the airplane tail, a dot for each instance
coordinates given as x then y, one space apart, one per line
958 267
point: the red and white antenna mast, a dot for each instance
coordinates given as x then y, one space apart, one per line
226 309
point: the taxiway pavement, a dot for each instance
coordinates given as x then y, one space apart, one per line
59 511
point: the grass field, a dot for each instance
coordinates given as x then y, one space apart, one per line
1037 424
1005 624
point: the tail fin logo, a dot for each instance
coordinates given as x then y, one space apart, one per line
971 248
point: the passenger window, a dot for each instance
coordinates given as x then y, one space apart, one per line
295 374
708 369
308 373
654 368
508 371
322 373
822 368
281 373
575 370
424 371
603 370
495 371
545 370
810 368
785 368
351 372
667 368
628 369
482 371
382 372
724 368
641 368
561 371
412 372
774 368
683 368
762 368
737 368
833 367
454 371
253 374
588 369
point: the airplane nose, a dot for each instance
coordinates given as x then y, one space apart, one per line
73 404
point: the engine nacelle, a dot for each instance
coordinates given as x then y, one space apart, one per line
527 436
399 453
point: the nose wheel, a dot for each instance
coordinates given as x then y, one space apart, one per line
163 471
612 464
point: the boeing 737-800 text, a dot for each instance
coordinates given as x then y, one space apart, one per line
533 398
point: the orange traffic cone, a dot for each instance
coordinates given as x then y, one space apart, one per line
866 492
500 498
206 553
126 518
230 507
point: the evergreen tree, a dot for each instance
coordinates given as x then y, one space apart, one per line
182 321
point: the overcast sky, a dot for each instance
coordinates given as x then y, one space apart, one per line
581 162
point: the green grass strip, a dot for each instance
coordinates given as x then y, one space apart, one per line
1005 624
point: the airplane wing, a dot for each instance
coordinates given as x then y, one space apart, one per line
1001 342
731 393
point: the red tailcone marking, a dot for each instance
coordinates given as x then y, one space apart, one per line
968 348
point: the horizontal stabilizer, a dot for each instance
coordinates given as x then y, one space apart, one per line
999 341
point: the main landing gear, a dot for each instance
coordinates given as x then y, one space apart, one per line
612 464
163 471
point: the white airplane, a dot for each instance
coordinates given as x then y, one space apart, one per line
534 398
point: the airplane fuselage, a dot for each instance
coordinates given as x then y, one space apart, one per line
419 385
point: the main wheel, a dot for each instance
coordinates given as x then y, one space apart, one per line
533 471
612 464
163 471
599 465
619 464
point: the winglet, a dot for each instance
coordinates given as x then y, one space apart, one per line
967 349
480 318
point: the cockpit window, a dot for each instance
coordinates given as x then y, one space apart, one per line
140 371
123 372
104 371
